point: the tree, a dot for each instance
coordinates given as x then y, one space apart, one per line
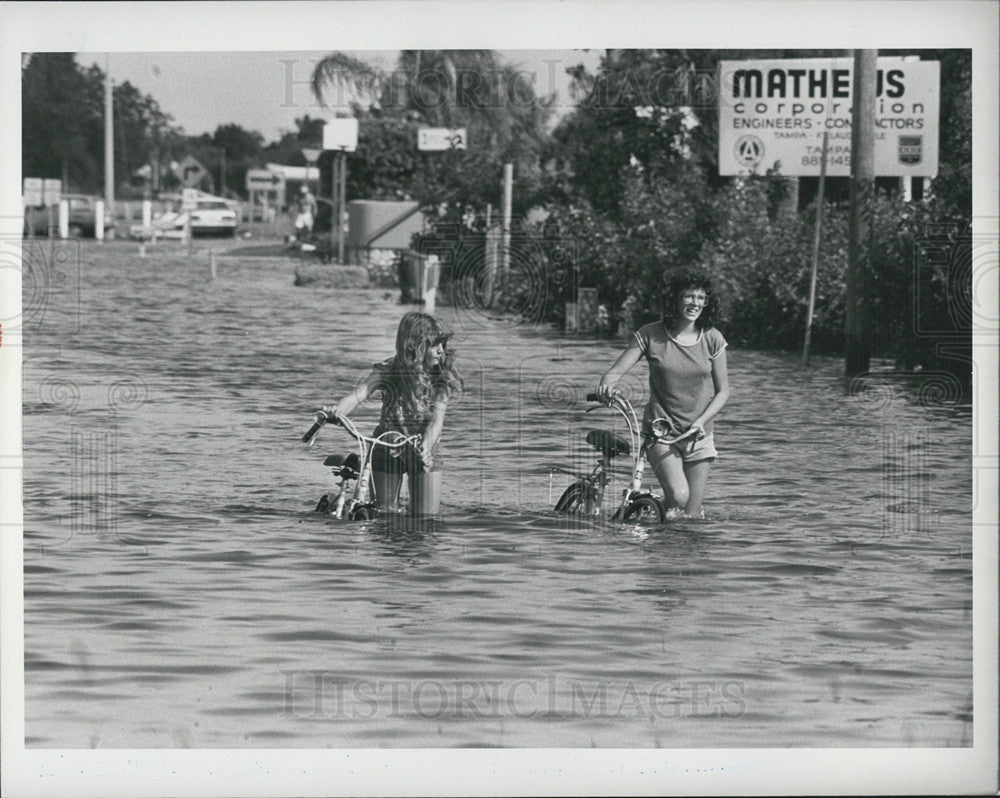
63 123
57 111
448 88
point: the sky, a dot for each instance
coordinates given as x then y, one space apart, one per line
267 91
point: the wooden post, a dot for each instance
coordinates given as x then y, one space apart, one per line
906 187
99 220
64 219
857 321
586 309
817 234
489 258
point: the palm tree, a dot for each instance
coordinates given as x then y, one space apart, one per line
445 88
350 82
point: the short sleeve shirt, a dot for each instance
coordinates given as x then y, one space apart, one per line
680 376
396 415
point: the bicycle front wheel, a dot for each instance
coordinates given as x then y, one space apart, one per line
644 510
573 498
362 513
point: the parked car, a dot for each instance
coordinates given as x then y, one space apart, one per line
211 215
82 218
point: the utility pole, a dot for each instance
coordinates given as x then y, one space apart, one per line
857 313
109 137
507 199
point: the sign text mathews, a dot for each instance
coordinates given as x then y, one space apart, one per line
773 113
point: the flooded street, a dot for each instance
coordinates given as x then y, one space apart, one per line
179 592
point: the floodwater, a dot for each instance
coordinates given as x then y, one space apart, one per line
179 592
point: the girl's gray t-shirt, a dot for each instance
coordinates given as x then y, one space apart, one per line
680 376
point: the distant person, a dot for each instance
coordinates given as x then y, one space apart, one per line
416 386
688 386
305 208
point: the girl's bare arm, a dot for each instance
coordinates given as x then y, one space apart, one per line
720 377
355 397
625 361
433 431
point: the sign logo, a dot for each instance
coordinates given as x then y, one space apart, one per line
749 151
910 149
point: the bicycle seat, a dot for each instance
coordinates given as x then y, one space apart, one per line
345 462
608 443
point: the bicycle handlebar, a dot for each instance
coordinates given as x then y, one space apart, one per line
310 436
322 418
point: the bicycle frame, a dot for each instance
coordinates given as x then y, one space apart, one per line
588 490
594 484
347 505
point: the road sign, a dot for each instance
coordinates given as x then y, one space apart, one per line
53 192
262 180
773 114
341 134
34 190
441 138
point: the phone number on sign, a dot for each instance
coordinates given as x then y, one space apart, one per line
815 160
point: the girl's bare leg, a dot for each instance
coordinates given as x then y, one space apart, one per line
425 493
697 478
669 468
387 489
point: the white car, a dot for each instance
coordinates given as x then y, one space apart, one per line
212 215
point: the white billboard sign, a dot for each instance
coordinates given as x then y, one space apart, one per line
441 138
34 191
341 134
773 113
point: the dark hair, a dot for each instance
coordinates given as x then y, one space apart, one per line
683 280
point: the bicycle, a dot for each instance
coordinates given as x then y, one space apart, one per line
354 501
586 494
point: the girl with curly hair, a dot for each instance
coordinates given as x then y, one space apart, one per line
688 385
416 386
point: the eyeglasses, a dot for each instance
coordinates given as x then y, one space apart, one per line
441 340
695 297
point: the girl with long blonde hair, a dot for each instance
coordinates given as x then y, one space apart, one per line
416 386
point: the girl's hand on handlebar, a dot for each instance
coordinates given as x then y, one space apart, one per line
605 392
331 412
697 430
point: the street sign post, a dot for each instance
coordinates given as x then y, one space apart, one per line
436 139
53 192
